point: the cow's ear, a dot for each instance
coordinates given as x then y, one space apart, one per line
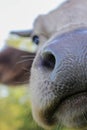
15 66
22 33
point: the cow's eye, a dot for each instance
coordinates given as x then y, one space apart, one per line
35 39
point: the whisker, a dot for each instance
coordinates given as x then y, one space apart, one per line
24 82
25 69
85 116
59 126
25 60
26 56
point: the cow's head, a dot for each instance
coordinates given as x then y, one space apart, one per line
58 81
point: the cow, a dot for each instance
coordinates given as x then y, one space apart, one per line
57 71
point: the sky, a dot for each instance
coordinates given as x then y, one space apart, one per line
20 14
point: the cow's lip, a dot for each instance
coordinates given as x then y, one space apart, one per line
51 120
72 96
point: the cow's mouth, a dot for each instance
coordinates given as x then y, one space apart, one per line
70 110
73 110
79 96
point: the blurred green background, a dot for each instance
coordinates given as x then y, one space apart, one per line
15 111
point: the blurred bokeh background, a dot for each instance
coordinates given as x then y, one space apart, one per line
15 111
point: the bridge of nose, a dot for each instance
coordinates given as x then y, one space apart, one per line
69 43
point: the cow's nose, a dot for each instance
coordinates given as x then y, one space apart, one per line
65 50
51 58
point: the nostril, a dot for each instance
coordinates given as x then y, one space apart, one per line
48 60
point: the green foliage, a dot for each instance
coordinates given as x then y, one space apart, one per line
15 112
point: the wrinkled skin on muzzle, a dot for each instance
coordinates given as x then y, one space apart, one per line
58 83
